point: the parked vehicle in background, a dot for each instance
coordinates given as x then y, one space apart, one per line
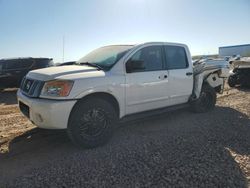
119 83
67 63
13 70
240 72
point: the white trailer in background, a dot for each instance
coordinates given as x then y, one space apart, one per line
242 50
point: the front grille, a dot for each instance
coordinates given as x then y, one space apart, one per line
31 87
28 83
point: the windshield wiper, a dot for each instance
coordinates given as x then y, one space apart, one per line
92 65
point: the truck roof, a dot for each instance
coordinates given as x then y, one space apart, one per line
148 43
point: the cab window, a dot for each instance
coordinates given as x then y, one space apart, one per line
146 59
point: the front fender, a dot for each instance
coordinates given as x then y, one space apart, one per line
213 79
117 93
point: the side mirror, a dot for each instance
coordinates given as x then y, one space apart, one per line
135 66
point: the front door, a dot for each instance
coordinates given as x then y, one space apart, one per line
146 86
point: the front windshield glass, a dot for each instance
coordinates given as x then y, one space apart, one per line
106 56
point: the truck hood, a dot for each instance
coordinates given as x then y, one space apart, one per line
64 72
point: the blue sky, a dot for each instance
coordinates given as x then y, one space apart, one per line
36 27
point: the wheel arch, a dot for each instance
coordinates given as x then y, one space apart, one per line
101 95
212 79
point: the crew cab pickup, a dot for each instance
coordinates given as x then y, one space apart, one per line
114 83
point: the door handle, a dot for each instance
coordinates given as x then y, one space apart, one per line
189 73
164 76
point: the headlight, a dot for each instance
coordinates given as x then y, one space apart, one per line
57 88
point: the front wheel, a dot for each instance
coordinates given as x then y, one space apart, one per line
206 101
91 122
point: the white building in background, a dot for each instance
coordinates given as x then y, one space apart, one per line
242 50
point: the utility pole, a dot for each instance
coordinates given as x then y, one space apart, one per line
63 49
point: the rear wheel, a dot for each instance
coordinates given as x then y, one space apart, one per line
206 101
245 79
91 122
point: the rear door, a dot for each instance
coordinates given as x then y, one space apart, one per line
180 73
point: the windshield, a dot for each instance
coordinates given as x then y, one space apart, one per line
105 57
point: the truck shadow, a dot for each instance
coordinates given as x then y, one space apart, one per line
8 96
176 148
243 88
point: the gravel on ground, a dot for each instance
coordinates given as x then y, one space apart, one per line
175 149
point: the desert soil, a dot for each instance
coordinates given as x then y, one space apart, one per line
175 149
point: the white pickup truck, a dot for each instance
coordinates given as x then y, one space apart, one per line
116 83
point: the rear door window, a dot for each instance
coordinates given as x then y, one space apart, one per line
12 64
26 63
18 64
176 57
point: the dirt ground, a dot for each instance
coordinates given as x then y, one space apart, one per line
179 148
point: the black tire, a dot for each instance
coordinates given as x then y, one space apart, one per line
245 81
91 122
231 81
206 101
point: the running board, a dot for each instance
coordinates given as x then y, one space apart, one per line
147 114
